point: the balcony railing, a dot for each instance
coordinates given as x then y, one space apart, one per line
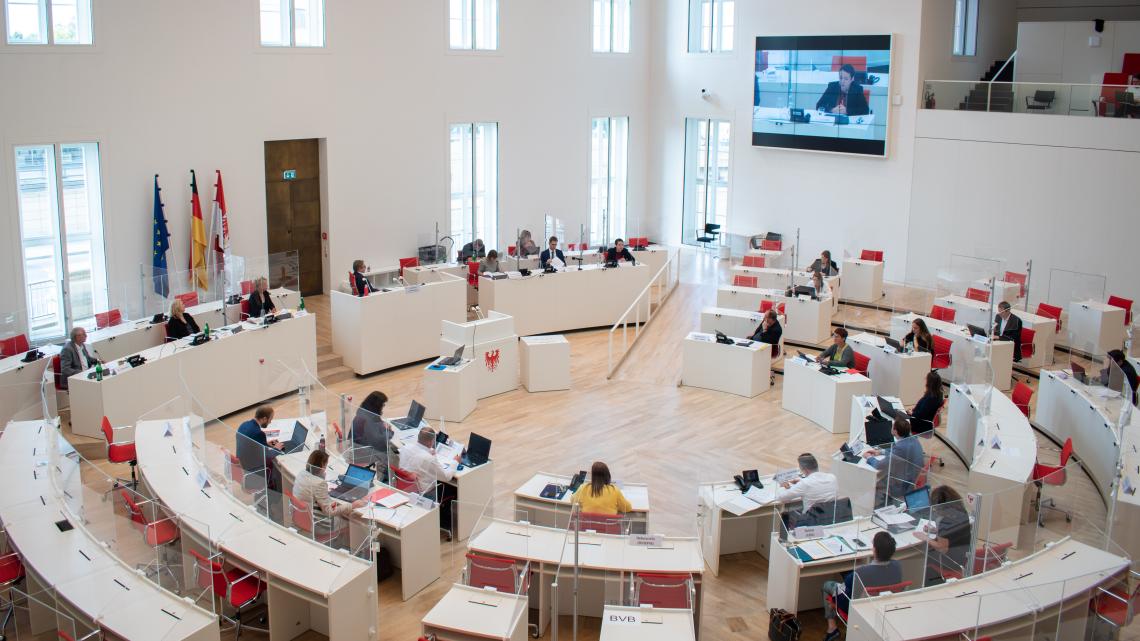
1051 98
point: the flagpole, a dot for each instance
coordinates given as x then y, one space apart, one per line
172 258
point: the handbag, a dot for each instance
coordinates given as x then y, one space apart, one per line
783 626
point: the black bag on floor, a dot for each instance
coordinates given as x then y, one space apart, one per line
383 564
783 626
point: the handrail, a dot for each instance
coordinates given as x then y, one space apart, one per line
990 85
672 265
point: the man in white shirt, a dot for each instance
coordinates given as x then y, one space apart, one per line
814 487
419 458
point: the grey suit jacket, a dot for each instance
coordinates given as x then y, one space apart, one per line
70 363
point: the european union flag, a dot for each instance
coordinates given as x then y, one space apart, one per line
161 244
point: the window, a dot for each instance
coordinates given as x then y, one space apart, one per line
711 25
292 23
708 146
474 24
965 27
609 179
59 198
611 26
474 169
48 22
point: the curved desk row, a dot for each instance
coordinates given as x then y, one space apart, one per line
809 321
310 586
778 278
974 312
93 585
966 364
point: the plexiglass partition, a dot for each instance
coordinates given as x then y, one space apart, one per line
1063 99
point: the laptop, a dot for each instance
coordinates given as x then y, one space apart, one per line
849 455
413 419
895 344
354 483
975 330
300 433
1079 372
804 290
878 432
454 359
917 499
887 408
478 451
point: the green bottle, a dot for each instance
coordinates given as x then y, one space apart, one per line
98 371
301 305
207 332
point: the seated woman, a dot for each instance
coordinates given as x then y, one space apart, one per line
769 331
527 246
922 417
260 302
600 496
311 488
181 323
371 435
822 289
949 536
490 263
840 353
919 338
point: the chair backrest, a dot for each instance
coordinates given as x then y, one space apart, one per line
14 345
938 312
1066 451
57 368
712 228
871 254
876 590
133 510
765 305
1043 96
771 245
858 62
1020 279
405 480
862 363
1122 303
938 414
989 556
108 431
1027 336
753 261
491 572
511 249
1022 393
740 280
352 283
664 590
973 293
941 345
601 523
301 513
1050 311
408 262
247 287
108 319
188 299
209 574
245 307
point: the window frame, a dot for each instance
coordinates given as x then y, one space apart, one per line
472 125
607 234
292 46
711 168
49 29
611 36
716 34
473 49
967 37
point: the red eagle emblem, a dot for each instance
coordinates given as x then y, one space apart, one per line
491 360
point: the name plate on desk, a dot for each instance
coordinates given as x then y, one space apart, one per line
647 540
413 289
623 618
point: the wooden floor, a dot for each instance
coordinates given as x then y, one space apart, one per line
651 431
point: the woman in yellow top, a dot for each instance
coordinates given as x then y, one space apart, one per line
601 496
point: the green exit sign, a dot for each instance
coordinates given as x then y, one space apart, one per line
290 174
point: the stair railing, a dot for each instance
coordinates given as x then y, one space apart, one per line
990 85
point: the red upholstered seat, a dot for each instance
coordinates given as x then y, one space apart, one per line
740 280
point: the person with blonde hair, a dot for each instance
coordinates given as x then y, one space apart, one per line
181 323
260 302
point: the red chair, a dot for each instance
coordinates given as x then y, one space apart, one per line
1052 475
494 572
673 591
246 287
973 293
408 262
57 368
244 308
765 305
862 363
1027 348
941 358
302 516
739 280
405 480
352 284
156 532
893 589
871 254
235 587
14 345
11 573
986 557
858 62
772 245
938 312
123 452
189 299
920 479
1020 279
1050 311
473 275
1115 605
511 249
1022 394
1113 81
1125 304
753 261
601 523
108 319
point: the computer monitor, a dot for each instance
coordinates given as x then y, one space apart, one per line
975 330
804 290
415 414
878 432
478 449
300 433
887 407
918 499
895 344
359 475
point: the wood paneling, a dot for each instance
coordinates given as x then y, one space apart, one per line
293 211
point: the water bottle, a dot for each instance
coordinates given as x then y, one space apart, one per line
301 304
207 332
322 447
98 371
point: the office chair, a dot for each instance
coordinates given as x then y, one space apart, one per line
938 312
941 358
189 299
707 239
245 308
408 262
14 345
247 287
352 284
871 254
1052 475
1022 393
1116 605
1050 311
924 473
122 452
1020 279
740 280
108 319
602 523
252 482
980 295
1040 100
317 527
1125 304
894 588
862 363
405 481
772 245
235 587
1027 348
663 590
503 575
158 533
987 556
11 573
753 261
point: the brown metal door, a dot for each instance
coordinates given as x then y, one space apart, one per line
293 213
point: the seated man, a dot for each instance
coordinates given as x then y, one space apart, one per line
419 459
902 466
473 249
74 358
881 571
254 450
618 252
812 487
1007 327
550 253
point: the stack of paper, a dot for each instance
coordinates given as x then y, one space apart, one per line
755 497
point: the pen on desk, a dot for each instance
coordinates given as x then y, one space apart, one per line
33 451
65 493
43 501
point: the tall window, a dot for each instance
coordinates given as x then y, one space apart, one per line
609 179
44 22
708 147
474 172
965 27
611 26
474 24
293 23
711 25
61 236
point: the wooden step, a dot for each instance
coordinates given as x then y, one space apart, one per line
336 375
328 361
324 349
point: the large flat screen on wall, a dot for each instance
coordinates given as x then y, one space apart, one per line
822 93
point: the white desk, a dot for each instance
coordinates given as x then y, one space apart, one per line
738 369
777 278
973 312
624 623
809 321
859 481
310 586
728 527
450 393
421 274
1003 290
75 565
967 364
397 327
736 322
474 613
496 354
544 363
822 399
1016 601
1002 475
228 373
566 300
863 280
21 383
1093 324
893 373
556 512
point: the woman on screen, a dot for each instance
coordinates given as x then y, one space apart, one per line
844 97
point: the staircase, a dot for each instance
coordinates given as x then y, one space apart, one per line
330 367
981 98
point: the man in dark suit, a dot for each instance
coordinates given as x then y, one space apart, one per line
473 250
551 252
844 97
1008 327
618 252
75 358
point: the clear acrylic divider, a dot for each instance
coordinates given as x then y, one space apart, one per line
1052 98
1067 288
27 401
14 324
42 615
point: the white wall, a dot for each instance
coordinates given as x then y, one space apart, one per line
1060 51
177 85
997 39
838 202
1056 190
